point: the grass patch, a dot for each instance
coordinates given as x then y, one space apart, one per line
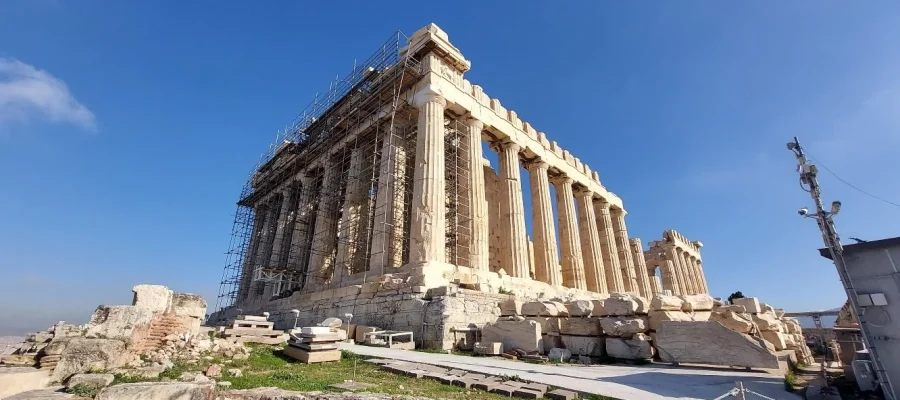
599 397
267 366
790 381
84 390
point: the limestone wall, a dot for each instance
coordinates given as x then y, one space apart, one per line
430 314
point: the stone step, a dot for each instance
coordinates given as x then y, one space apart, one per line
253 332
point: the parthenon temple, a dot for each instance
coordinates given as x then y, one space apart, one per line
383 182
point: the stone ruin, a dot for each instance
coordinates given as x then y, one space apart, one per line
379 203
678 329
115 336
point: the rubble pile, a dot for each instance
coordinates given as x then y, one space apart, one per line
143 335
629 327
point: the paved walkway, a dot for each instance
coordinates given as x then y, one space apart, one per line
621 381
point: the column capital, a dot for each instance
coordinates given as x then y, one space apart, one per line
537 164
476 123
561 179
431 93
511 146
585 193
498 146
603 204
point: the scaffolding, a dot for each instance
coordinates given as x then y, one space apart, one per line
330 201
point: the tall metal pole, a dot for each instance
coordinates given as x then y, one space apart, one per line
824 219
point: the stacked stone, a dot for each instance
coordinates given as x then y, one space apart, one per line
254 329
615 326
781 332
314 344
626 327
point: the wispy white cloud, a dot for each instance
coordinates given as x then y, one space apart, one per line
28 94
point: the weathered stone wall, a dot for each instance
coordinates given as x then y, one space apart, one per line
430 314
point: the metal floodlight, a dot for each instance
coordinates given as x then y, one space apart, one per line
835 207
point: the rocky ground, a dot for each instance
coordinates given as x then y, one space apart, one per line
8 344
257 373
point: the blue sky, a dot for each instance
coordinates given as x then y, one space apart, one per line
128 128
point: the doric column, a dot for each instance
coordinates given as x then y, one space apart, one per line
640 267
283 219
572 263
626 263
324 237
427 238
590 243
299 252
686 272
512 211
680 273
479 255
655 285
387 231
264 252
669 276
692 273
546 255
350 216
259 219
608 245
700 275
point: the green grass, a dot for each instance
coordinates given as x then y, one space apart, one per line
83 390
268 366
790 381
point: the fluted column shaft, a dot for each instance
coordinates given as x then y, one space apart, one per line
691 278
672 256
283 213
608 245
701 274
669 277
692 272
656 286
299 253
427 239
512 211
259 219
626 262
268 234
350 217
387 231
321 263
479 248
594 274
640 267
546 255
572 263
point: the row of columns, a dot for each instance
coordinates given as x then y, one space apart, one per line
682 273
593 252
296 228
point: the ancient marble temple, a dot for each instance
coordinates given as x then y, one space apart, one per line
386 183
